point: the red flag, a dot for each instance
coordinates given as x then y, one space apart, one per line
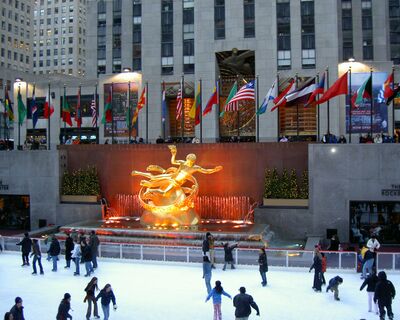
78 114
388 87
179 105
48 108
338 88
213 100
142 100
107 116
281 99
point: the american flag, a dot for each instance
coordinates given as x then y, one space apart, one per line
179 105
245 93
93 107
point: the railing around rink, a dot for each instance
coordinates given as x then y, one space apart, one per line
243 256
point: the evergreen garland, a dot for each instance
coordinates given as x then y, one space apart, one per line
285 185
81 182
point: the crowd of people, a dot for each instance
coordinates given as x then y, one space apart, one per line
363 138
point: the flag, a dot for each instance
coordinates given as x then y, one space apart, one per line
135 116
21 108
232 93
396 92
301 94
365 91
107 116
8 107
163 106
66 111
179 104
246 92
213 100
319 89
142 99
339 87
280 101
78 111
271 94
34 109
93 108
48 107
387 87
194 112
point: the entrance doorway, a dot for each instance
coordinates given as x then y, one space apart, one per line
15 212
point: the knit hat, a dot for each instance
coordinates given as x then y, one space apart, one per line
67 296
18 300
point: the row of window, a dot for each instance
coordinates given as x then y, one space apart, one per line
55 20
20 5
14 55
57 41
62 51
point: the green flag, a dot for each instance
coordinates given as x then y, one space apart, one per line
21 108
231 95
365 91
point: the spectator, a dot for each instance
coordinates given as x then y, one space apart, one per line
342 139
334 243
283 139
243 303
329 138
378 138
159 140
69 140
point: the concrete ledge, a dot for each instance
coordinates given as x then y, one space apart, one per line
79 199
299 203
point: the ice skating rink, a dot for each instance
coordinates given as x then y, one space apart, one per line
166 291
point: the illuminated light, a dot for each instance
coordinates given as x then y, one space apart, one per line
19 80
126 69
352 59
333 150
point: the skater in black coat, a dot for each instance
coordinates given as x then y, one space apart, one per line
37 256
87 258
263 266
317 266
91 298
69 246
26 245
371 282
54 251
64 307
18 310
243 303
384 294
228 255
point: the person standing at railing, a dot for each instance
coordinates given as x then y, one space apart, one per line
317 266
207 273
76 256
37 256
26 245
69 246
371 282
216 293
263 266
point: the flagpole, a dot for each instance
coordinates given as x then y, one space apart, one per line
318 129
112 113
183 108
277 124
393 113
63 117
79 115
30 107
5 113
372 105
218 110
297 111
162 110
147 112
200 112
238 113
257 115
328 103
129 113
350 106
19 122
95 105
48 120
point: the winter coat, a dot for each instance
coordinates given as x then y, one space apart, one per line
384 291
206 269
323 264
94 244
317 265
69 246
26 245
76 252
206 246
86 254
242 303
18 313
334 282
370 282
217 297
63 310
228 252
90 290
106 297
263 262
373 244
54 248
36 250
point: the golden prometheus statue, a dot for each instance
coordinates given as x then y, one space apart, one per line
168 197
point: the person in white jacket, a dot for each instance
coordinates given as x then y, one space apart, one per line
373 244
76 256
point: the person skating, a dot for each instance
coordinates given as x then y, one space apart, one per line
371 282
317 266
17 310
243 303
64 307
208 248
333 285
87 258
216 293
90 298
76 256
207 273
228 255
69 246
94 246
54 251
263 266
26 245
384 294
107 295
369 259
37 256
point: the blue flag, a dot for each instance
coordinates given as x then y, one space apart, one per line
34 109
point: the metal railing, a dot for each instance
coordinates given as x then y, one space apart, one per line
345 260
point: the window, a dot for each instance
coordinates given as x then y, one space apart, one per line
307 34
188 36
249 19
394 36
366 12
347 29
283 34
167 37
219 19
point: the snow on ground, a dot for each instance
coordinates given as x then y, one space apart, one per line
157 290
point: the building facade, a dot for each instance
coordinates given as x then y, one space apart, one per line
59 34
167 40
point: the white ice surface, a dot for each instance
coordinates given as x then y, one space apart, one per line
167 291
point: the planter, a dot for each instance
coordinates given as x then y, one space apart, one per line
79 199
285 202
